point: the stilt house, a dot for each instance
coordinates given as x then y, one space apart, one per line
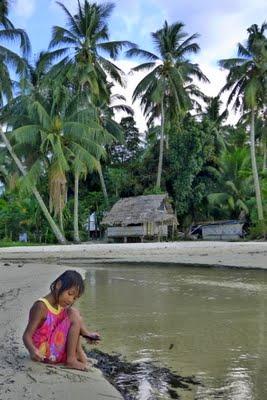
141 217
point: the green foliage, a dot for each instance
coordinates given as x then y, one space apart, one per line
154 190
193 168
62 126
22 214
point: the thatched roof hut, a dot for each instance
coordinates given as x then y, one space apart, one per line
140 216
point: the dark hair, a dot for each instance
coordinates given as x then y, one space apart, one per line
68 279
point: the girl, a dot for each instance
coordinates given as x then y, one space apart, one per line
54 328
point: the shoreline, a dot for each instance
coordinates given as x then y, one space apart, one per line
26 274
224 254
21 378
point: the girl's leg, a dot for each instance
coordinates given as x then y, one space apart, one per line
81 354
73 341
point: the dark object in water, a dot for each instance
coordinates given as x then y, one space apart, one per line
171 346
129 378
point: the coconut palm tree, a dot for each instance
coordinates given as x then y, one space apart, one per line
247 81
169 73
83 46
10 58
106 111
65 138
236 183
84 43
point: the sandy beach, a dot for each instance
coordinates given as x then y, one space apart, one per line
26 273
231 254
21 378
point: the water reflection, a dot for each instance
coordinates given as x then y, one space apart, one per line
210 323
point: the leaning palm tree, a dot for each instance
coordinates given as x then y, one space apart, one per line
247 80
64 138
164 87
10 58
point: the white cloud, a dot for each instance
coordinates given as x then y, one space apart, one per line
131 82
24 8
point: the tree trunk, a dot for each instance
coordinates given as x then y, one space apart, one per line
60 237
254 167
161 146
61 223
103 185
264 166
76 208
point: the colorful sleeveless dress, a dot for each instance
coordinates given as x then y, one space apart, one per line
51 337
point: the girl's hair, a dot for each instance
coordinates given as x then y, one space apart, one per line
68 280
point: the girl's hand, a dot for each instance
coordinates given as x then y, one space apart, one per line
36 355
92 337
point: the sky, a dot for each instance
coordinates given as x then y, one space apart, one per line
220 24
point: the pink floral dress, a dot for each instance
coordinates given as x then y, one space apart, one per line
51 338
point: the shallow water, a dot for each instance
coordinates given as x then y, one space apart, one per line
204 322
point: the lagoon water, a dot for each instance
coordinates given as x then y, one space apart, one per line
210 323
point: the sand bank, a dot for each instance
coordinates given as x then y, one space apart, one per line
21 378
231 254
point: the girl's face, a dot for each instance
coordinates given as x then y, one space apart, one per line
68 297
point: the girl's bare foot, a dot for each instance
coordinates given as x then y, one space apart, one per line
75 364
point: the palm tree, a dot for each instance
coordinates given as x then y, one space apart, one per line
10 58
106 111
248 84
164 87
85 40
236 183
65 139
83 45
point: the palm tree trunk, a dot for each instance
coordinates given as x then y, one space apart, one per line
76 208
254 167
264 166
161 146
103 185
61 223
60 237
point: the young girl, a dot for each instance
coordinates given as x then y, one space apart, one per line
54 328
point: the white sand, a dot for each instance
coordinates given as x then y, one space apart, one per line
21 378
233 254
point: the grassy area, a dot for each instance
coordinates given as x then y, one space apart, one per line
20 244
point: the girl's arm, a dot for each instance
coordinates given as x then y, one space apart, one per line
37 316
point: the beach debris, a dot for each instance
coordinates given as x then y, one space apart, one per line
7 264
171 346
20 265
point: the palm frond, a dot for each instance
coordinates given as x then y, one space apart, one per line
143 67
27 134
74 27
136 52
113 48
112 69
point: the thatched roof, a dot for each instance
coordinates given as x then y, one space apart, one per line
139 209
